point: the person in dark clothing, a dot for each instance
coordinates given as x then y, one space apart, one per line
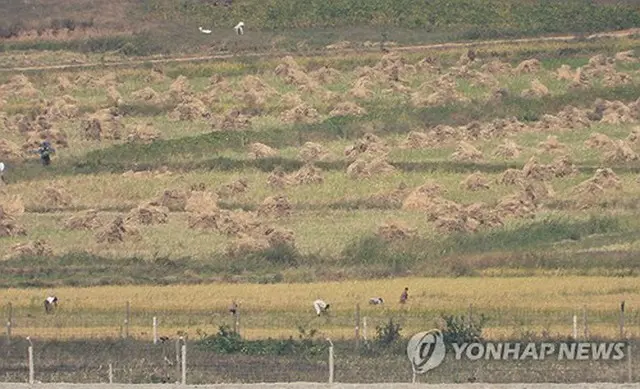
404 296
45 152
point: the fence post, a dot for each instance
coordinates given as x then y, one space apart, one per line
330 360
184 361
470 313
629 360
155 330
110 373
236 321
622 320
126 319
584 322
357 328
364 328
178 355
9 322
575 327
30 355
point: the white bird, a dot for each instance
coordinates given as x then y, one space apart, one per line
204 31
239 28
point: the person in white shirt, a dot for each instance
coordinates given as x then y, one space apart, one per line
320 306
50 303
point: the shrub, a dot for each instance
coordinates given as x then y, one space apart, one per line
459 329
228 342
388 334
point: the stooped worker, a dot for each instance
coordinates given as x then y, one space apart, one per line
233 308
50 303
45 152
320 306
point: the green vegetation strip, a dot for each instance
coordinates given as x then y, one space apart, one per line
367 256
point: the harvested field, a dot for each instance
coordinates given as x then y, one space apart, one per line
315 168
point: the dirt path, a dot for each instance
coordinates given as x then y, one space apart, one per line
438 46
300 385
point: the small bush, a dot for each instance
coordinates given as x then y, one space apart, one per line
228 342
459 329
388 334
281 254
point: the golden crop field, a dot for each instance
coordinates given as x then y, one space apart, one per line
513 306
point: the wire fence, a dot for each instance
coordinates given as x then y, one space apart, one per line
133 322
138 346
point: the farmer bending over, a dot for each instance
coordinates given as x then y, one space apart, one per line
50 303
320 306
